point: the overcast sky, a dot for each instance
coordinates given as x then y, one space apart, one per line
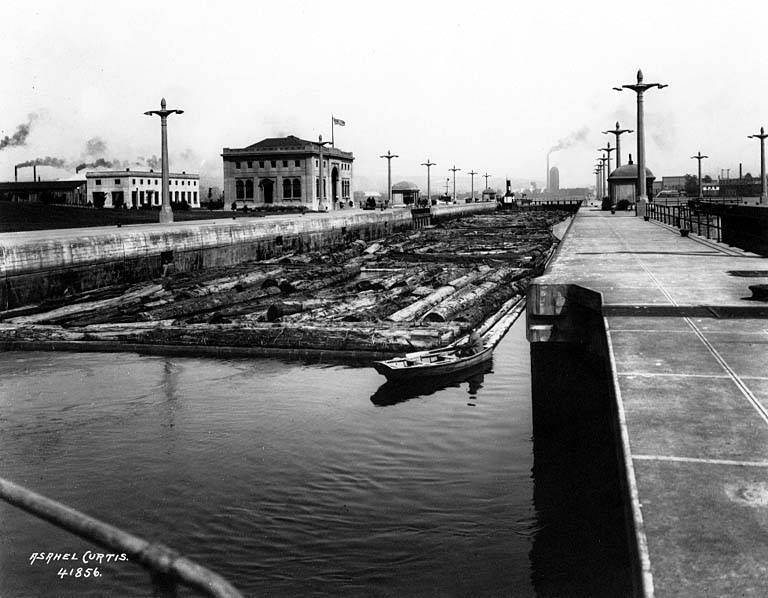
489 86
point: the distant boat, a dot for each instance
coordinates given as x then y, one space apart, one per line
437 362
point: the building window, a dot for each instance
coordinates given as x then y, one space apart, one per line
298 163
117 181
134 181
285 163
273 163
296 188
239 189
250 164
237 164
317 163
177 196
286 189
156 181
194 198
249 189
183 196
261 163
98 181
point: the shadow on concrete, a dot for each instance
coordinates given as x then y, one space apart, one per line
580 547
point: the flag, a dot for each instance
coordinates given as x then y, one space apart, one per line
339 122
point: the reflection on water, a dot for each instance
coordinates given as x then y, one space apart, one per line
393 392
288 478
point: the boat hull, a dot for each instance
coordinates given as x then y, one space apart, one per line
423 370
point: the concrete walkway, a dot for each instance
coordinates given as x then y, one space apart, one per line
689 355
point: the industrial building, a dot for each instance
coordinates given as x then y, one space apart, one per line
140 189
553 185
286 171
72 192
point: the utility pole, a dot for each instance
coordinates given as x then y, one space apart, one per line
472 174
699 157
389 155
166 213
640 88
447 184
429 165
454 169
618 132
761 136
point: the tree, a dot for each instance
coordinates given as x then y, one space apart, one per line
706 179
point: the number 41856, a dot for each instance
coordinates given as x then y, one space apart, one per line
79 572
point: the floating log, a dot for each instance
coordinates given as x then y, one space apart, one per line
78 309
459 301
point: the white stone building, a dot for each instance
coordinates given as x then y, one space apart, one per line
140 188
286 171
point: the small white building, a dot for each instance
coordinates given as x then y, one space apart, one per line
140 188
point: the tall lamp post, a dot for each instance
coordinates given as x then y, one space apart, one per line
596 171
472 174
608 151
618 133
761 136
640 88
453 170
599 167
429 165
604 168
389 155
486 176
166 214
321 183
699 157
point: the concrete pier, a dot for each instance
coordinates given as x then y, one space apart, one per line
685 351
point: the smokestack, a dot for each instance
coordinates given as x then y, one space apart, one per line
740 177
546 179
16 174
34 172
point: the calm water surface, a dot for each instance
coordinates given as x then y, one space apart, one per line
290 479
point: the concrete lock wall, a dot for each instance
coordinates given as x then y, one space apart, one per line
48 264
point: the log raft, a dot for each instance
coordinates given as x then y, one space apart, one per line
401 293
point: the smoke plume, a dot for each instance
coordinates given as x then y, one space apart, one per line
95 146
97 163
19 137
47 161
572 139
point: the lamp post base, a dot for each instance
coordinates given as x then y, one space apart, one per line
166 215
642 202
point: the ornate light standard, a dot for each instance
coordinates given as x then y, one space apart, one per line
389 155
603 160
486 176
761 136
608 151
618 132
321 183
429 165
453 170
639 88
166 214
472 174
699 157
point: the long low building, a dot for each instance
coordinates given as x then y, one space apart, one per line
140 189
58 192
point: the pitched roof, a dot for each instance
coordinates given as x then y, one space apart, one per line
291 141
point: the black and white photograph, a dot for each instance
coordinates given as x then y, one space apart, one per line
383 299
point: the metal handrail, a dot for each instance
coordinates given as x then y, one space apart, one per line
167 567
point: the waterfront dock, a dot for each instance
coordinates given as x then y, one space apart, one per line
685 350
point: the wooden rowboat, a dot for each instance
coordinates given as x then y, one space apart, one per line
437 362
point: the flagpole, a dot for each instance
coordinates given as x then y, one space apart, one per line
332 143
